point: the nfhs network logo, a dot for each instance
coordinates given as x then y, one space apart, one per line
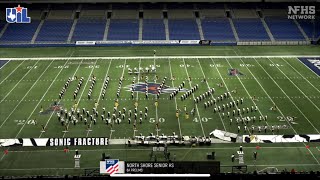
17 15
301 12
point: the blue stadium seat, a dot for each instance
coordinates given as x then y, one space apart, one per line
250 29
20 32
218 29
89 30
183 29
124 29
283 29
153 29
312 29
55 30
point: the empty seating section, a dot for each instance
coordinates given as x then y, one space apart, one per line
123 29
245 13
55 30
94 6
152 6
217 29
283 29
89 30
274 12
180 6
35 14
2 24
183 29
212 13
250 29
182 24
180 14
20 32
60 14
152 14
134 6
125 14
93 14
153 29
312 29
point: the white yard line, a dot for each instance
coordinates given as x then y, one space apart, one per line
248 92
204 134
296 86
224 127
19 82
301 75
21 101
137 96
105 77
124 67
230 92
155 81
293 104
84 88
60 99
287 96
11 71
5 64
175 99
158 57
25 95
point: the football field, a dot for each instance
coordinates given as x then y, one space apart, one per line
263 78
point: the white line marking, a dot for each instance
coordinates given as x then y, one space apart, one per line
11 71
101 90
124 67
249 93
301 75
64 134
212 95
19 81
296 86
60 100
293 104
204 134
5 64
24 96
230 92
175 99
158 57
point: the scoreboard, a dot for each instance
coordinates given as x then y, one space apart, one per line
185 167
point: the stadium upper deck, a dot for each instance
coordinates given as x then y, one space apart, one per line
67 23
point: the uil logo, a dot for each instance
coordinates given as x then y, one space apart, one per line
17 15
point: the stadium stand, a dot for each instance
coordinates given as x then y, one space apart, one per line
309 28
153 29
20 32
188 21
250 29
124 29
89 30
283 28
217 29
55 30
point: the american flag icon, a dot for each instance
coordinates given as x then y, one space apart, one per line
112 166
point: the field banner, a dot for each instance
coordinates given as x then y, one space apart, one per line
51 142
189 41
113 42
281 138
156 42
84 43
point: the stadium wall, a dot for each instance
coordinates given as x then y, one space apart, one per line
158 43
